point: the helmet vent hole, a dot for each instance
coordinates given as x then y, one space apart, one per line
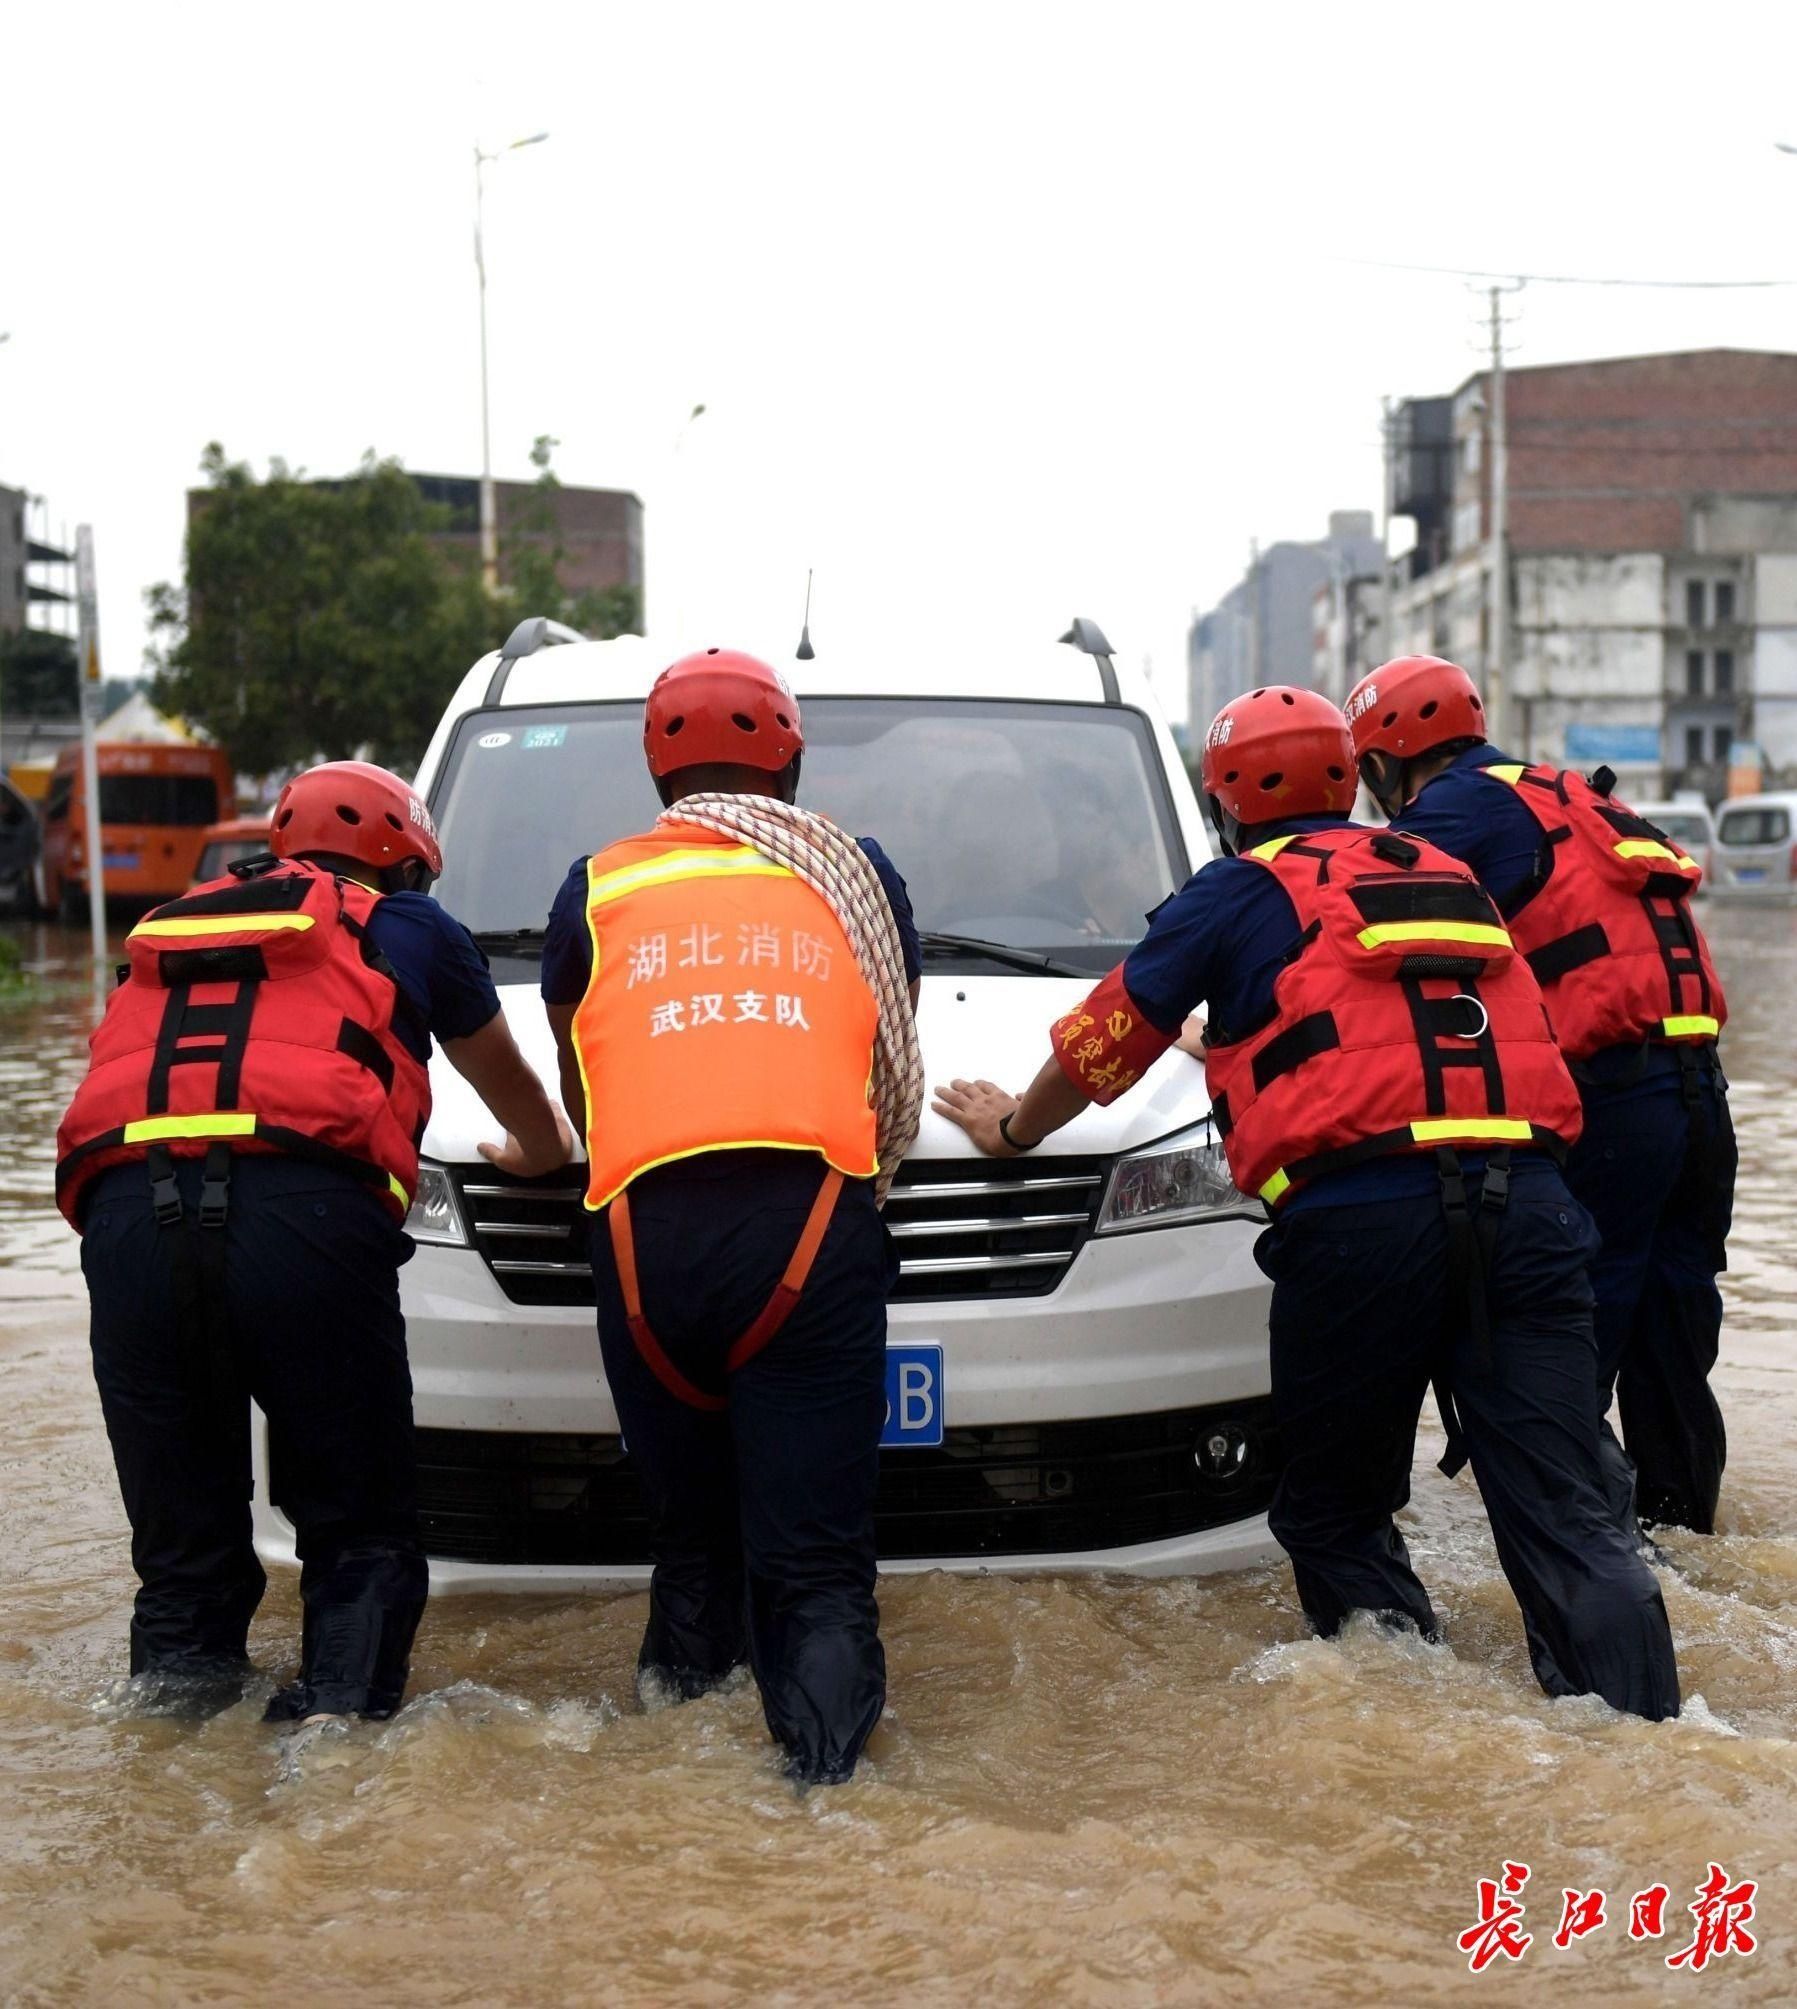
1234 774
742 721
1337 774
348 814
1429 710
285 818
711 652
1390 719
1286 697
1477 706
394 820
1271 781
673 726
785 722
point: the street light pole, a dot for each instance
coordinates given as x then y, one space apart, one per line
489 507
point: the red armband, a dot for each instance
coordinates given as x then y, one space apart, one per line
1105 1045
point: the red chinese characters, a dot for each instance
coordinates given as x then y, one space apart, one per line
1498 1928
1581 1912
1721 1913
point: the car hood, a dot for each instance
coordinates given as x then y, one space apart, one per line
986 1027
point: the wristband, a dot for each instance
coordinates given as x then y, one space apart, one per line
1004 1130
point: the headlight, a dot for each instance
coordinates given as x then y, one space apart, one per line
435 1216
1186 1178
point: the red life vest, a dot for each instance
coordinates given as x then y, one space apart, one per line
1606 922
1405 1022
253 1013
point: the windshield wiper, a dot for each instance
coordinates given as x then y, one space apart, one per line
934 943
521 942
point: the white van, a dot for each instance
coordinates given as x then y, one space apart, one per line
1078 1343
1756 847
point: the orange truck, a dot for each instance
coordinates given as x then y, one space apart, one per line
156 805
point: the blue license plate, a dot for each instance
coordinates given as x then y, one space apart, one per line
1749 875
119 861
913 1398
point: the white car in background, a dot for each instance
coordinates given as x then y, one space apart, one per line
1756 850
1078 1343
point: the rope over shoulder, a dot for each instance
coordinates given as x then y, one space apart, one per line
836 868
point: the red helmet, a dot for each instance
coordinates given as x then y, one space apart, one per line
1278 752
720 706
354 810
1411 705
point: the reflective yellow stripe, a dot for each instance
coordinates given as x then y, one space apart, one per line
1645 847
1692 1026
1434 931
1510 771
1272 847
224 924
399 1193
745 863
1276 1186
1472 1130
157 1129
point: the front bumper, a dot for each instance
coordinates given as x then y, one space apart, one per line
1163 1332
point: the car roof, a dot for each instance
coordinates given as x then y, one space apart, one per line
889 666
1778 798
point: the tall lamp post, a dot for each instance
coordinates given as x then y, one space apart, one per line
489 508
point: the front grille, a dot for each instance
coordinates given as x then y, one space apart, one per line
505 1497
964 1228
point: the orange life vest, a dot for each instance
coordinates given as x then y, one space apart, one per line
1606 922
253 1013
725 1011
1405 1022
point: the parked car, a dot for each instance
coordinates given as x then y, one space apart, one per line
1688 822
1756 857
18 851
156 805
1078 1363
229 843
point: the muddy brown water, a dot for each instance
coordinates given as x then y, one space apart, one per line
1090 1790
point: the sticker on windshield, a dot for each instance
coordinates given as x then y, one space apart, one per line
493 739
545 735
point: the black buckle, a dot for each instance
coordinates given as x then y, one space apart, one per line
165 1194
1453 1186
1496 1196
215 1187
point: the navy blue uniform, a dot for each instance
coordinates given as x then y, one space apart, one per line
1655 1168
307 1283
761 1514
1364 1314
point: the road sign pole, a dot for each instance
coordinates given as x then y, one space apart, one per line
90 726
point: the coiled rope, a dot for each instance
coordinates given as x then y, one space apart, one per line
836 868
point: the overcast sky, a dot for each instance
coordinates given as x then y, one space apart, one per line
1000 312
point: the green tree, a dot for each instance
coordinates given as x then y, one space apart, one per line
38 675
317 618
533 558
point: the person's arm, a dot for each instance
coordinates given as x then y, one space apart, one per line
1048 1104
898 898
574 1090
537 1137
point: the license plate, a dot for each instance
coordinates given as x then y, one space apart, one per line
913 1398
119 861
1749 875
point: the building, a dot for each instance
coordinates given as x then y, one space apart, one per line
1263 631
37 576
1650 562
599 530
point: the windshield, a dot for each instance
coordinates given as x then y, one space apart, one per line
1763 824
1683 825
188 801
1043 827
224 852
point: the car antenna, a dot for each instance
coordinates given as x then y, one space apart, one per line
805 652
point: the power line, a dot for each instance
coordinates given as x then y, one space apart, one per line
1566 278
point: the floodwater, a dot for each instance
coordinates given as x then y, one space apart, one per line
1106 1790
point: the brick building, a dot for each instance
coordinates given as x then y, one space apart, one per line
1651 560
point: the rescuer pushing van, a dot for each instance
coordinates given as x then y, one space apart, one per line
1599 902
1384 1078
239 1160
731 998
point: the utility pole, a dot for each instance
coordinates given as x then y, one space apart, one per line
1387 424
89 605
489 507
1497 667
